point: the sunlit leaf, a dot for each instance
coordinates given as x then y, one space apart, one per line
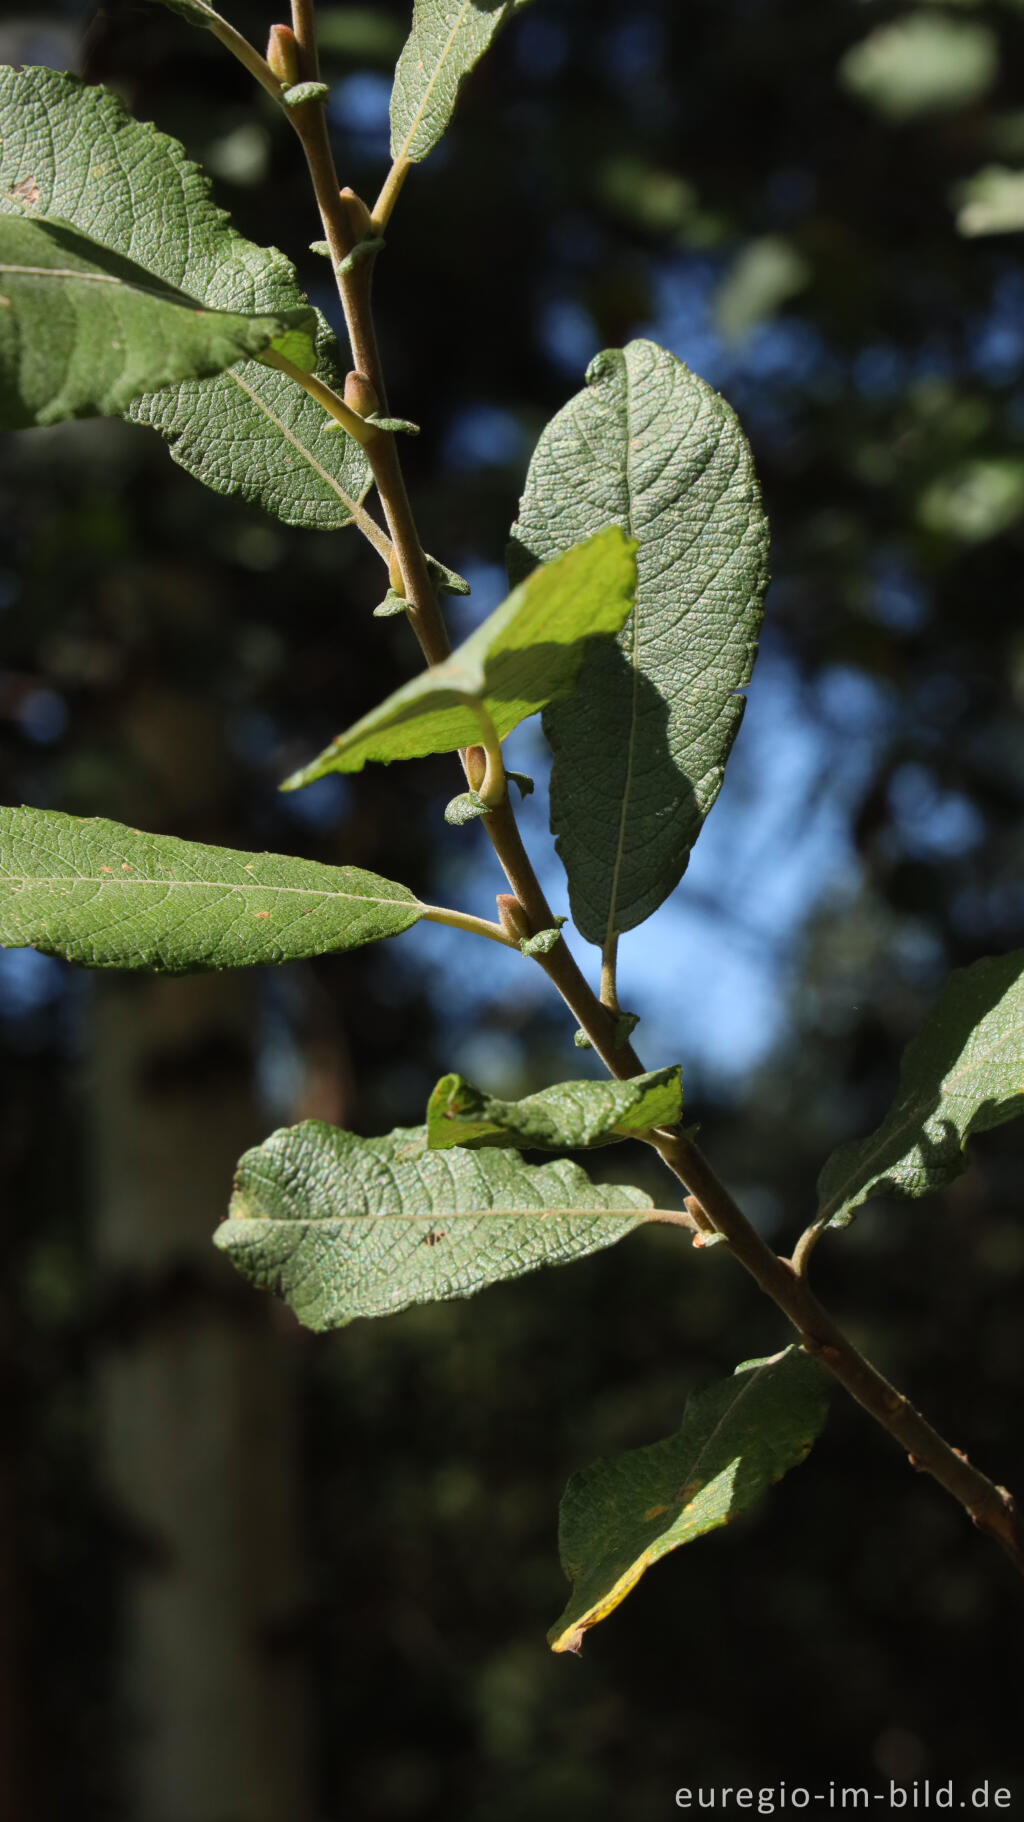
640 748
621 1515
963 1073
447 38
94 892
84 331
72 151
526 653
342 1227
570 1115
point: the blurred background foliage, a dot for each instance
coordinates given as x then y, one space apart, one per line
254 1576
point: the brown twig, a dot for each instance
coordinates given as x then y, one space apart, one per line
990 1507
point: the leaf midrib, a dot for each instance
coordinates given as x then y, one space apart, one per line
28 880
620 846
319 1222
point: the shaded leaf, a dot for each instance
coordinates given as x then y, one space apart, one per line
73 151
963 1073
84 331
528 651
447 38
342 1227
640 748
94 892
570 1115
622 1514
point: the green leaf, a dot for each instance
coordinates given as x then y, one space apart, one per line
465 808
525 653
572 1115
621 1515
963 1073
640 748
543 941
84 331
94 892
447 38
73 151
342 1227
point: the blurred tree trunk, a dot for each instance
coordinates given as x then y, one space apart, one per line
196 1416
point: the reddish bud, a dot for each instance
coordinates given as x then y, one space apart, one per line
357 215
360 395
476 767
284 55
511 916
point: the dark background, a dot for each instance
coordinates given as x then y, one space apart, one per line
257 1576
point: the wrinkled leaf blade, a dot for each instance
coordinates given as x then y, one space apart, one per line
93 892
622 1514
83 332
963 1073
570 1116
640 748
249 431
446 39
342 1227
528 651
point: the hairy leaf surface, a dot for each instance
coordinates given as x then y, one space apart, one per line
525 653
94 892
73 151
342 1227
963 1073
622 1514
447 38
640 748
570 1115
83 331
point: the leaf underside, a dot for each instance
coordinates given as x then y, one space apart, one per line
96 893
640 748
963 1073
622 1514
446 39
83 331
568 1116
342 1227
249 431
529 650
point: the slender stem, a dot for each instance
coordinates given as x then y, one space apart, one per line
332 402
462 920
247 55
990 1507
304 27
390 190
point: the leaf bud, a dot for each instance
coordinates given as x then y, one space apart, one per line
360 395
511 916
284 55
357 215
397 581
476 767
